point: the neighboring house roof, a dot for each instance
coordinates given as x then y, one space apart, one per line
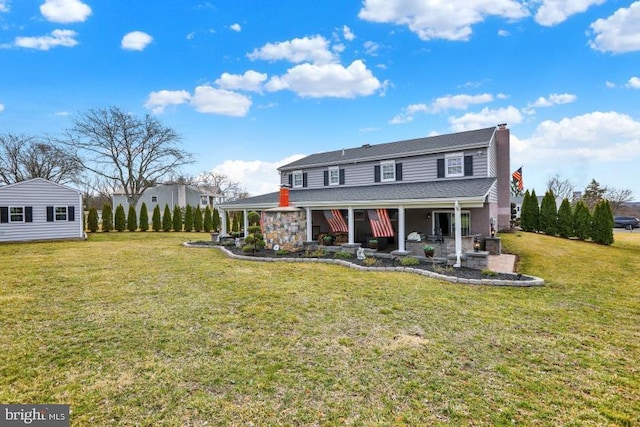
391 150
210 190
473 190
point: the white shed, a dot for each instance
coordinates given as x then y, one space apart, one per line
39 209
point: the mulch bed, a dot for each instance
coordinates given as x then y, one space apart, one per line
461 274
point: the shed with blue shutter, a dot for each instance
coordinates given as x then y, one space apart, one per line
39 209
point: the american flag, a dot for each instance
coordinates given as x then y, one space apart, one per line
262 215
336 221
517 178
380 223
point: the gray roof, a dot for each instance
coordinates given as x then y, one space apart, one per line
474 190
390 150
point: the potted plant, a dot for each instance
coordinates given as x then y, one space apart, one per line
373 243
428 251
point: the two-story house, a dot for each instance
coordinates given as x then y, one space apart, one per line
172 194
452 187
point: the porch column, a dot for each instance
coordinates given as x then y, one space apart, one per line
223 222
309 225
458 231
246 222
352 228
401 232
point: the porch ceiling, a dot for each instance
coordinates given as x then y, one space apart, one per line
469 192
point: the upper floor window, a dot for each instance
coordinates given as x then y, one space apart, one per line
454 165
297 179
388 171
16 214
334 176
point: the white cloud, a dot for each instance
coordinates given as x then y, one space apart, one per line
327 80
619 32
306 49
250 80
65 11
503 33
191 35
62 113
554 99
553 12
64 38
4 6
1 108
449 102
634 83
347 33
371 48
257 177
582 137
236 27
485 118
207 99
159 100
609 85
136 40
451 20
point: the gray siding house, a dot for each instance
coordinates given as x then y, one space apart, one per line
39 209
440 187
172 194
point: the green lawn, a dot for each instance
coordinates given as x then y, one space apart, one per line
135 329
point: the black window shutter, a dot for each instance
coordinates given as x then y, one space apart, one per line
4 214
304 179
341 176
71 213
290 180
326 178
468 165
440 168
49 213
398 171
28 214
376 173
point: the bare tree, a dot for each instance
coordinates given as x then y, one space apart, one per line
561 188
618 199
128 152
25 157
229 190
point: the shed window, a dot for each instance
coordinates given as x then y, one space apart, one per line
16 214
61 213
154 199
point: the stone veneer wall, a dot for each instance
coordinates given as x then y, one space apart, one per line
286 228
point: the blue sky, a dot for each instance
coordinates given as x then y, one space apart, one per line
251 85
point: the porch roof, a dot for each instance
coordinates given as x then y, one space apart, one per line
469 192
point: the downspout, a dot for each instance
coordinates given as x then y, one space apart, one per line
458 231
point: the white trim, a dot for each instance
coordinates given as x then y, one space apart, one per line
335 169
295 174
453 156
23 214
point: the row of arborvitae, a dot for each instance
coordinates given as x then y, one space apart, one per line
567 221
187 219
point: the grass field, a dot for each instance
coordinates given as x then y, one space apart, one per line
135 329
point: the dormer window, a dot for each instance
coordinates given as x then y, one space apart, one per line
454 165
388 170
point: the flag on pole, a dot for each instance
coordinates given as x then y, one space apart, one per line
517 178
336 221
380 223
262 215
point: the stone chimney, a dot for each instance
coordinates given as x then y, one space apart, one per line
504 177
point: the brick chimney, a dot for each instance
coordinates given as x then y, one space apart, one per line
504 177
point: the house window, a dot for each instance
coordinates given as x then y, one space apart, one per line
297 179
454 165
388 170
154 199
16 214
203 200
61 213
334 176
